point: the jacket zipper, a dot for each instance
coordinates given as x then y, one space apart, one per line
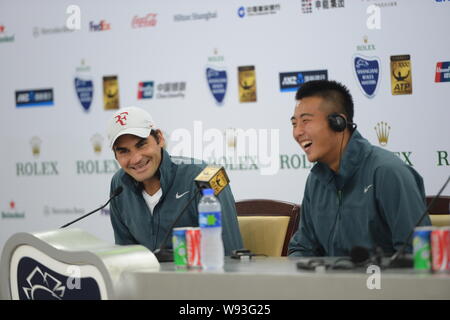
339 194
338 217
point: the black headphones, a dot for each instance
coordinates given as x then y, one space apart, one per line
338 123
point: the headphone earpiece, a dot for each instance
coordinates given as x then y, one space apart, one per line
337 122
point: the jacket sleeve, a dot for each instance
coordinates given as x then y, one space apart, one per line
121 234
304 243
400 198
231 234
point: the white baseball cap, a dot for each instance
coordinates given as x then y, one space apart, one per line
130 120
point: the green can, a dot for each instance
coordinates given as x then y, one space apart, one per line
179 247
422 248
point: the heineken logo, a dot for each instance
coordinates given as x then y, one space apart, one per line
3 36
12 213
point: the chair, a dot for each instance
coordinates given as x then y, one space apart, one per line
267 225
439 213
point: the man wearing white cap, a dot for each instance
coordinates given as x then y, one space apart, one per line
156 186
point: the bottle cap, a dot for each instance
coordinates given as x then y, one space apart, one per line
208 192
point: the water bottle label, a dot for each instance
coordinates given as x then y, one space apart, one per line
210 219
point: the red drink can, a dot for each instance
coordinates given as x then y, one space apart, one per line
440 249
193 236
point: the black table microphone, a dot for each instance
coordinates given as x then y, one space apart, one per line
113 195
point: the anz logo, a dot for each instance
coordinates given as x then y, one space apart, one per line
292 81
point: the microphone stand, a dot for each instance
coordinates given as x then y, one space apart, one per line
116 193
87 214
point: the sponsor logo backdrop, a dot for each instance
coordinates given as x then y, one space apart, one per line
231 66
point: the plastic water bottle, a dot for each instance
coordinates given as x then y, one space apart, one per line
210 222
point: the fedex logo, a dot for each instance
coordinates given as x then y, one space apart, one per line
101 26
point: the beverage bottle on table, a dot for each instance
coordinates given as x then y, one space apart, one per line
210 222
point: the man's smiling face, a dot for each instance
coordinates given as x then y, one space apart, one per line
139 157
312 132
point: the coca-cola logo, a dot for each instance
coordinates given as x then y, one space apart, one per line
142 22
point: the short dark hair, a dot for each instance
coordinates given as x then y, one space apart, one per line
155 134
331 91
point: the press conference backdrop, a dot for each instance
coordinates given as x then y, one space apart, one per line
210 73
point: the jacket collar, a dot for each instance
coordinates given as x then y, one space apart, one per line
166 172
357 149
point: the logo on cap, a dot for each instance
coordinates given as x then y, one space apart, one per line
121 117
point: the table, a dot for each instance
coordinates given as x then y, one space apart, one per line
278 278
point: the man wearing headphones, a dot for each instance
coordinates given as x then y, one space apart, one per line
156 186
356 194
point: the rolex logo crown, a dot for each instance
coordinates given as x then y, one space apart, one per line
97 141
231 138
36 146
382 129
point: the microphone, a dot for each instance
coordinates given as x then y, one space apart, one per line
114 194
361 255
213 177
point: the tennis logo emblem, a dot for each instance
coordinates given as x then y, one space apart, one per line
367 73
217 82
